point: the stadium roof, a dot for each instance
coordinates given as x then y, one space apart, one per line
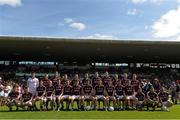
88 50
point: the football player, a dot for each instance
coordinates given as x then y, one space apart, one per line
58 94
140 99
110 89
100 95
152 99
49 95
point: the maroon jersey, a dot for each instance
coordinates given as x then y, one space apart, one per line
129 90
119 90
164 96
40 90
46 83
64 81
110 90
124 82
140 96
84 81
67 90
49 91
55 81
135 84
115 82
13 95
76 90
26 96
106 80
99 89
152 95
58 89
95 80
157 86
87 89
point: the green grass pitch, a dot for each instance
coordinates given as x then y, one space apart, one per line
173 114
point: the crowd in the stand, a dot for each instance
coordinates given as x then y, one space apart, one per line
115 92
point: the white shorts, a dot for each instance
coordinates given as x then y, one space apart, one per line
49 98
100 96
6 95
130 97
33 92
65 96
87 97
165 103
57 96
2 94
120 97
40 98
76 97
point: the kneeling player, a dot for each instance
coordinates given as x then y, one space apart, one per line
58 94
164 99
49 95
152 99
13 99
76 95
66 96
26 99
100 94
88 94
40 94
110 94
140 97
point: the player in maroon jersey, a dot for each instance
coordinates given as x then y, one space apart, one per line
100 95
75 80
152 99
156 85
140 99
40 95
135 83
76 95
65 80
110 89
46 80
96 79
49 95
27 99
129 95
120 95
56 78
164 99
116 79
13 99
87 92
125 79
106 79
58 94
86 79
66 96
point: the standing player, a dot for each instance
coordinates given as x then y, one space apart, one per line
58 94
152 99
96 79
32 84
46 80
110 89
56 78
135 83
87 94
129 95
49 95
86 79
27 99
67 92
40 94
76 95
106 79
100 95
164 99
13 99
65 80
140 99
116 79
120 95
